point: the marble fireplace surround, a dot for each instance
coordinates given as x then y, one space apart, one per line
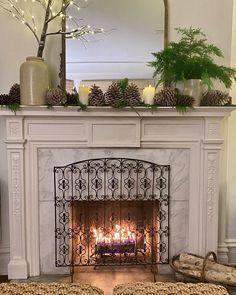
39 138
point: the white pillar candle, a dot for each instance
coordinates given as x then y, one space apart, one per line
83 94
148 94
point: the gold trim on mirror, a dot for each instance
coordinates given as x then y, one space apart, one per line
166 24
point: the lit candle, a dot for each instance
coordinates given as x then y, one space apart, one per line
148 94
83 94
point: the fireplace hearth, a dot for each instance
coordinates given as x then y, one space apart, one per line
111 212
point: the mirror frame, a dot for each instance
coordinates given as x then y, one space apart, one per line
62 72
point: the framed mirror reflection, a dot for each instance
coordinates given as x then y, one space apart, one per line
130 31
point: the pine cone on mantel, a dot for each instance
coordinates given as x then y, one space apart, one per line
216 98
166 97
114 94
96 96
4 99
132 95
14 93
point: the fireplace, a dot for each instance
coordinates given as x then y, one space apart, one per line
111 212
39 139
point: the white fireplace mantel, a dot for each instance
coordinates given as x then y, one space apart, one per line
35 128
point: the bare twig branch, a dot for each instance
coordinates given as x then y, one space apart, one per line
44 31
16 9
60 12
33 31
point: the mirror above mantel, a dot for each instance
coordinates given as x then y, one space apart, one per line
133 29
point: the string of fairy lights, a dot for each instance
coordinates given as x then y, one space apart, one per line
22 11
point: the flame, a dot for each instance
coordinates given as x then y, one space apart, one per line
121 234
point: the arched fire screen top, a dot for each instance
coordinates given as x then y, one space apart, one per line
111 211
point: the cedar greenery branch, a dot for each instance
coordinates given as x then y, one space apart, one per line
191 58
22 11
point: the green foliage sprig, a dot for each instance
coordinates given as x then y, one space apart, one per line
82 107
191 58
124 104
123 84
14 107
183 109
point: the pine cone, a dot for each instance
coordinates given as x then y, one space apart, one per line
14 93
96 96
166 97
4 99
185 100
216 98
55 97
132 95
113 95
72 98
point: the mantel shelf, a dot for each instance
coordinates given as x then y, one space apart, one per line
72 111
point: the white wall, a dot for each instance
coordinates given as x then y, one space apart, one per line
4 232
231 192
217 21
17 42
213 16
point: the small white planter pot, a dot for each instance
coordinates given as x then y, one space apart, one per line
193 87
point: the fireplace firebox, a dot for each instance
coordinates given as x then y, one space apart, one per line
111 211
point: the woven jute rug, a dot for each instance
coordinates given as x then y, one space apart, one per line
169 289
48 289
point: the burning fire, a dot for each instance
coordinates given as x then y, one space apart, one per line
121 235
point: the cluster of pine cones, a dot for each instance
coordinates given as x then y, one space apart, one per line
58 97
216 98
115 95
13 97
55 97
170 97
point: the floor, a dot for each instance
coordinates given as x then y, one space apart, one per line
106 279
3 279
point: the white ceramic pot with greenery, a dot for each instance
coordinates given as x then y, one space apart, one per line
193 88
192 58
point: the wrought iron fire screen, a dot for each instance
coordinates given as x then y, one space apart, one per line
111 211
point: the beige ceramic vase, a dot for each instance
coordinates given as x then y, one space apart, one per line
193 87
34 81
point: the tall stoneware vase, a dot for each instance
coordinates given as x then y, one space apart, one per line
193 87
34 81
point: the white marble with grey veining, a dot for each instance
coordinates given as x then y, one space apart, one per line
178 159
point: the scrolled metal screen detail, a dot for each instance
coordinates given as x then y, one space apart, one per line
111 211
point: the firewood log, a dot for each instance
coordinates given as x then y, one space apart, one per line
211 265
